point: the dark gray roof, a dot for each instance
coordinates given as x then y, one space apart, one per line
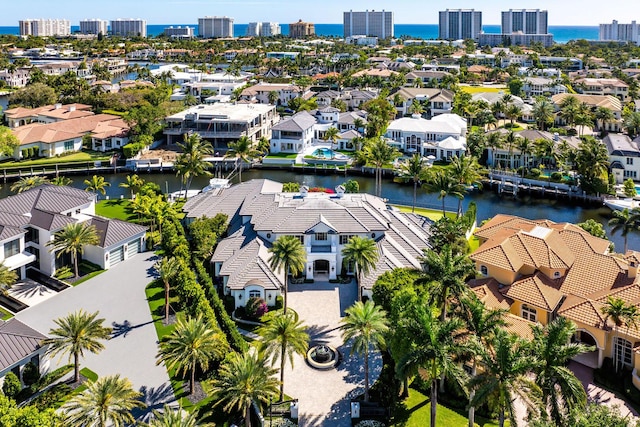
298 122
621 145
113 231
349 117
17 341
49 221
50 198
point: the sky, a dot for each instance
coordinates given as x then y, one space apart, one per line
567 12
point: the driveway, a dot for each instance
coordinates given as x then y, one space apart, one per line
118 294
323 396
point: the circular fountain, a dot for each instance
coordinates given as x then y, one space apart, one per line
323 357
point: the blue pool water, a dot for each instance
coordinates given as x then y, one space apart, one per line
324 153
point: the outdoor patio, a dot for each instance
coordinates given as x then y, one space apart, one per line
30 292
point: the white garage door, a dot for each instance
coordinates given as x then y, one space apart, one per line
116 256
133 247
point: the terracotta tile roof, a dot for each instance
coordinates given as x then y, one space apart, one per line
519 326
537 290
56 110
501 221
70 129
632 257
488 291
583 281
582 310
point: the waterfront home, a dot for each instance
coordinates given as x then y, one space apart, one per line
541 86
21 116
539 270
29 220
624 156
426 78
594 101
435 101
221 123
259 93
260 212
511 157
20 345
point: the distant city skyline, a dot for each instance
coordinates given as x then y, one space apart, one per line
589 12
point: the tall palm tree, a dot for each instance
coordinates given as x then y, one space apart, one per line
364 325
569 109
288 254
512 112
506 366
616 310
526 149
543 112
133 183
191 162
441 182
167 268
363 253
625 221
7 278
331 134
511 141
61 181
96 184
603 116
465 170
494 142
446 271
76 333
282 337
379 153
415 170
27 183
243 151
170 417
244 379
562 392
545 150
193 344
108 401
72 239
481 323
436 346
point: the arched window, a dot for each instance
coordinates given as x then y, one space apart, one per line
529 313
484 270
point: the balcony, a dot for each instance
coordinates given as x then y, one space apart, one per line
322 249
19 260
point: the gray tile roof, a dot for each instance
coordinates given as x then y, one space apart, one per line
621 145
350 117
298 122
17 341
113 231
46 197
49 221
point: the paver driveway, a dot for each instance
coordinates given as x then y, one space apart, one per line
323 396
119 295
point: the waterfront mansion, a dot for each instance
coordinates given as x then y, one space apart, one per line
260 212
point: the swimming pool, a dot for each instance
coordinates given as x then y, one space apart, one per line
324 153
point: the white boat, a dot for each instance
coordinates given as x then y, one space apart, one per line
216 183
621 204
181 194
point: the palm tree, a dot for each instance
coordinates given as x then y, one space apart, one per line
191 162
481 323
379 153
108 401
364 325
96 184
359 124
625 221
562 392
512 112
363 253
27 183
133 183
170 417
442 183
617 311
543 112
242 150
511 140
72 239
569 109
545 150
7 278
603 116
447 272
436 345
76 333
192 345
244 379
167 268
415 170
465 170
493 143
526 149
282 337
505 368
331 134
288 254
61 181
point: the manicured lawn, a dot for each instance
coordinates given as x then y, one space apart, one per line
282 156
432 214
417 413
115 209
479 89
84 156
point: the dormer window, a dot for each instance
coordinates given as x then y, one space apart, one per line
556 275
484 270
632 264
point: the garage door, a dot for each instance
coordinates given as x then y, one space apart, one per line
116 256
133 247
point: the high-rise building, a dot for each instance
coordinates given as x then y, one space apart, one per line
300 29
45 27
263 29
253 29
179 32
93 26
620 32
215 26
459 24
126 27
526 21
368 23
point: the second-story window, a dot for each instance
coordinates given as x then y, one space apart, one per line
321 236
12 248
529 313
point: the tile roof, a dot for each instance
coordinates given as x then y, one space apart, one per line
298 122
102 124
114 231
537 290
50 198
17 341
55 110
489 291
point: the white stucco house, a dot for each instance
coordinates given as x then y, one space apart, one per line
259 213
624 156
20 345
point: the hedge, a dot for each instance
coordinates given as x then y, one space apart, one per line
131 149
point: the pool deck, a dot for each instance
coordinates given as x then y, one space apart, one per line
310 150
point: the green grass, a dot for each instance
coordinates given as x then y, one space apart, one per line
282 156
87 277
4 314
479 89
88 374
432 214
474 244
416 412
114 112
79 157
115 209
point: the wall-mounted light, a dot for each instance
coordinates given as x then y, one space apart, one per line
240 296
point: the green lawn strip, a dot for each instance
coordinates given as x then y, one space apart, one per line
416 412
79 157
480 89
282 156
115 209
5 315
432 214
86 277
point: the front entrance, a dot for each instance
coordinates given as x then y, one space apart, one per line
592 359
321 266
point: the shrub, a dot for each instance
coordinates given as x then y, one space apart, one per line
30 374
556 177
64 273
256 307
370 423
53 397
11 386
534 172
24 153
279 302
131 149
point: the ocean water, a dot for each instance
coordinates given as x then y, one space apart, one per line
561 34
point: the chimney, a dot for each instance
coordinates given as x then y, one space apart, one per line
58 106
72 108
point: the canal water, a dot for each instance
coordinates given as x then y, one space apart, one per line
488 202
